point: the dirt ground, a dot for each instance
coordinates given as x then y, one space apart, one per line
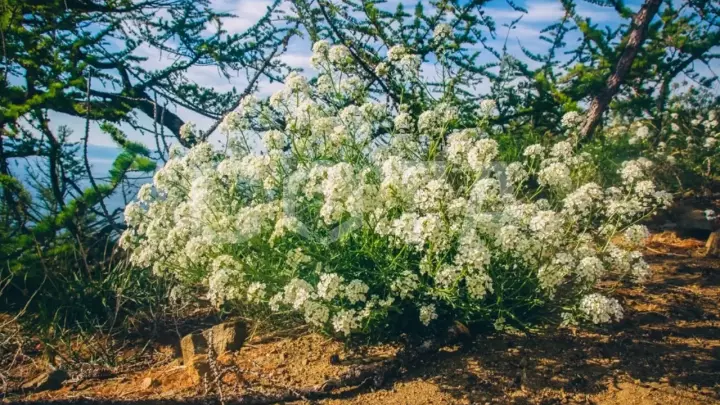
665 351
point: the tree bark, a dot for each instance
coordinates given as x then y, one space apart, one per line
636 37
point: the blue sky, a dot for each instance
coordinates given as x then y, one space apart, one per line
540 14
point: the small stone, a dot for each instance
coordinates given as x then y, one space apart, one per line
228 336
304 362
712 246
193 345
46 381
148 382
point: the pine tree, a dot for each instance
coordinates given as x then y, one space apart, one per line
85 58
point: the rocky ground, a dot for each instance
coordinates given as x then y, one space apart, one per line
666 351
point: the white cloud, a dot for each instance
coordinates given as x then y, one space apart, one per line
521 32
299 60
266 89
247 13
544 12
598 14
211 76
537 12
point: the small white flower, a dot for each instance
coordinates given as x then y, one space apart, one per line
356 291
275 302
600 309
330 286
339 55
556 175
487 107
442 31
256 292
346 321
382 69
295 83
562 150
571 120
145 192
535 150
322 46
409 65
316 314
637 234
403 121
590 269
406 284
642 132
479 285
428 314
297 292
188 130
396 53
710 215
482 154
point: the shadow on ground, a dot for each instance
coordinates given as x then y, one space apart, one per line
670 338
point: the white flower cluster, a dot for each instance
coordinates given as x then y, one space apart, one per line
703 133
351 215
600 309
442 31
487 107
188 130
402 60
571 120
683 146
642 134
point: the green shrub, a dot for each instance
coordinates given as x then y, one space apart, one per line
369 221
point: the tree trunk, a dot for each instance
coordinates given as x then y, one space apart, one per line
636 37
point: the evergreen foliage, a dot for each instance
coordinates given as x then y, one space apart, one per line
86 59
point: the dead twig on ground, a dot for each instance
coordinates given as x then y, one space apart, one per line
354 380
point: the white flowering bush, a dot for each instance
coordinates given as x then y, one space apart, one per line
683 142
688 148
362 218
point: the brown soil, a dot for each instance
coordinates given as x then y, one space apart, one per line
666 351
